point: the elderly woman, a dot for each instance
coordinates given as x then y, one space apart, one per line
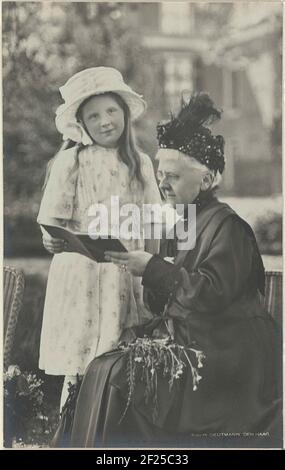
210 298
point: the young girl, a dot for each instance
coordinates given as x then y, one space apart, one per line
89 304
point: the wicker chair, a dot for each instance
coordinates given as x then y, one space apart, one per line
273 294
13 299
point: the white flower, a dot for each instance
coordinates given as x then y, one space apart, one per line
13 371
178 373
200 357
198 377
138 359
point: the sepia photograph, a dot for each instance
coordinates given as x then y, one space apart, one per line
143 205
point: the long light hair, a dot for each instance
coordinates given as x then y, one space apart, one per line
128 150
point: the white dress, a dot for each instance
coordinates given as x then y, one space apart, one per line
88 304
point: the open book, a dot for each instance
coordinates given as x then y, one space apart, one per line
84 245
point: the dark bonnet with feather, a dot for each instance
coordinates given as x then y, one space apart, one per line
188 132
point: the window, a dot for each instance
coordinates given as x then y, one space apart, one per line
232 82
178 79
176 18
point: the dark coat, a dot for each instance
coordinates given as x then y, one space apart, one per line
215 300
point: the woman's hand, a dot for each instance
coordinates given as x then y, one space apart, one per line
53 245
135 261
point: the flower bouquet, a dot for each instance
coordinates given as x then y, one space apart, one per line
24 413
152 357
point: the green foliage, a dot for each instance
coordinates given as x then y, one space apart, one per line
22 235
212 19
268 231
27 416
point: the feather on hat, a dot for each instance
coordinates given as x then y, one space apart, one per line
188 132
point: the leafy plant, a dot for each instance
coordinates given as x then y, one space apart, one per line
268 230
25 414
151 357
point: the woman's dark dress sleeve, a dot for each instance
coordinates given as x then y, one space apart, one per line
221 276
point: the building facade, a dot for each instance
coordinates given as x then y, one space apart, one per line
234 53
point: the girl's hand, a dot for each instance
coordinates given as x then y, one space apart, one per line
53 245
135 261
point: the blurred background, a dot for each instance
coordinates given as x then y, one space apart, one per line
231 50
